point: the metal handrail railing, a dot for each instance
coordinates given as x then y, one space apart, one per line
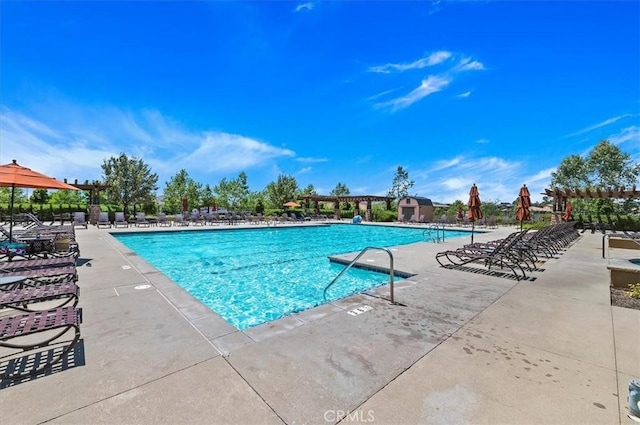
437 229
324 294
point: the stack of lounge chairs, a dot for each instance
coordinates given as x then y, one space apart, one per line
38 303
515 256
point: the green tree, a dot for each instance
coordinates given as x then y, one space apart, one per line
282 190
207 196
129 181
178 186
67 197
572 172
234 194
40 196
19 196
341 189
309 190
401 184
610 167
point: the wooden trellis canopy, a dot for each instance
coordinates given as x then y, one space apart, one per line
593 193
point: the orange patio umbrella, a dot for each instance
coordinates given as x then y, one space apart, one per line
567 211
292 204
14 175
474 203
524 203
185 204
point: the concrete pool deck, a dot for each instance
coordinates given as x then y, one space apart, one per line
461 348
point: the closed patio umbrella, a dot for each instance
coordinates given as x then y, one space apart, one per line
524 203
567 212
14 175
185 204
474 203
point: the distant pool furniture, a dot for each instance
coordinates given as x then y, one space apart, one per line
141 220
79 219
103 220
120 220
162 220
179 220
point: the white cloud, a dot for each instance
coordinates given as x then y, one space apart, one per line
81 143
430 85
304 6
467 64
305 170
311 160
482 141
629 134
464 95
431 60
596 126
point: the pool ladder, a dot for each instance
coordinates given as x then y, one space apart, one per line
428 233
324 294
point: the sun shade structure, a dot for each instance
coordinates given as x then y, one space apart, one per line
14 175
523 213
474 203
292 204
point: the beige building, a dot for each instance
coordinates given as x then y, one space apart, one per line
420 208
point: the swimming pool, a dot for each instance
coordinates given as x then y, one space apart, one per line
252 276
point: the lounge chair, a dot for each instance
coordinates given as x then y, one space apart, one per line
79 219
179 220
44 275
141 220
103 220
37 263
162 220
120 220
196 219
489 255
21 298
17 333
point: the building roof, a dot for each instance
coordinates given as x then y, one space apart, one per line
421 200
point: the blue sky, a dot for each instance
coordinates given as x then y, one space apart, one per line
495 93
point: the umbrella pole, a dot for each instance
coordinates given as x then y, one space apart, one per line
13 191
473 225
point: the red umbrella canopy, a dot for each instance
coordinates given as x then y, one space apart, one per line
460 214
185 204
567 211
14 175
524 202
474 203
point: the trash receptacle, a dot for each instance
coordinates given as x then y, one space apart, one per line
634 400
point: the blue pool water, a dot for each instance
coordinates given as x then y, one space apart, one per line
252 276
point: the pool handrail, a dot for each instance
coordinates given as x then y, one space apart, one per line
324 294
437 228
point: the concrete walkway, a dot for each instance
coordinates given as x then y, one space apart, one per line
462 348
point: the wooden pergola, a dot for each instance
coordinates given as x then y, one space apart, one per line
560 196
94 188
337 199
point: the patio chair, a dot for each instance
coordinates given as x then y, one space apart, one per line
103 220
79 219
162 220
179 220
44 275
195 218
21 298
488 254
36 264
141 220
18 333
120 220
